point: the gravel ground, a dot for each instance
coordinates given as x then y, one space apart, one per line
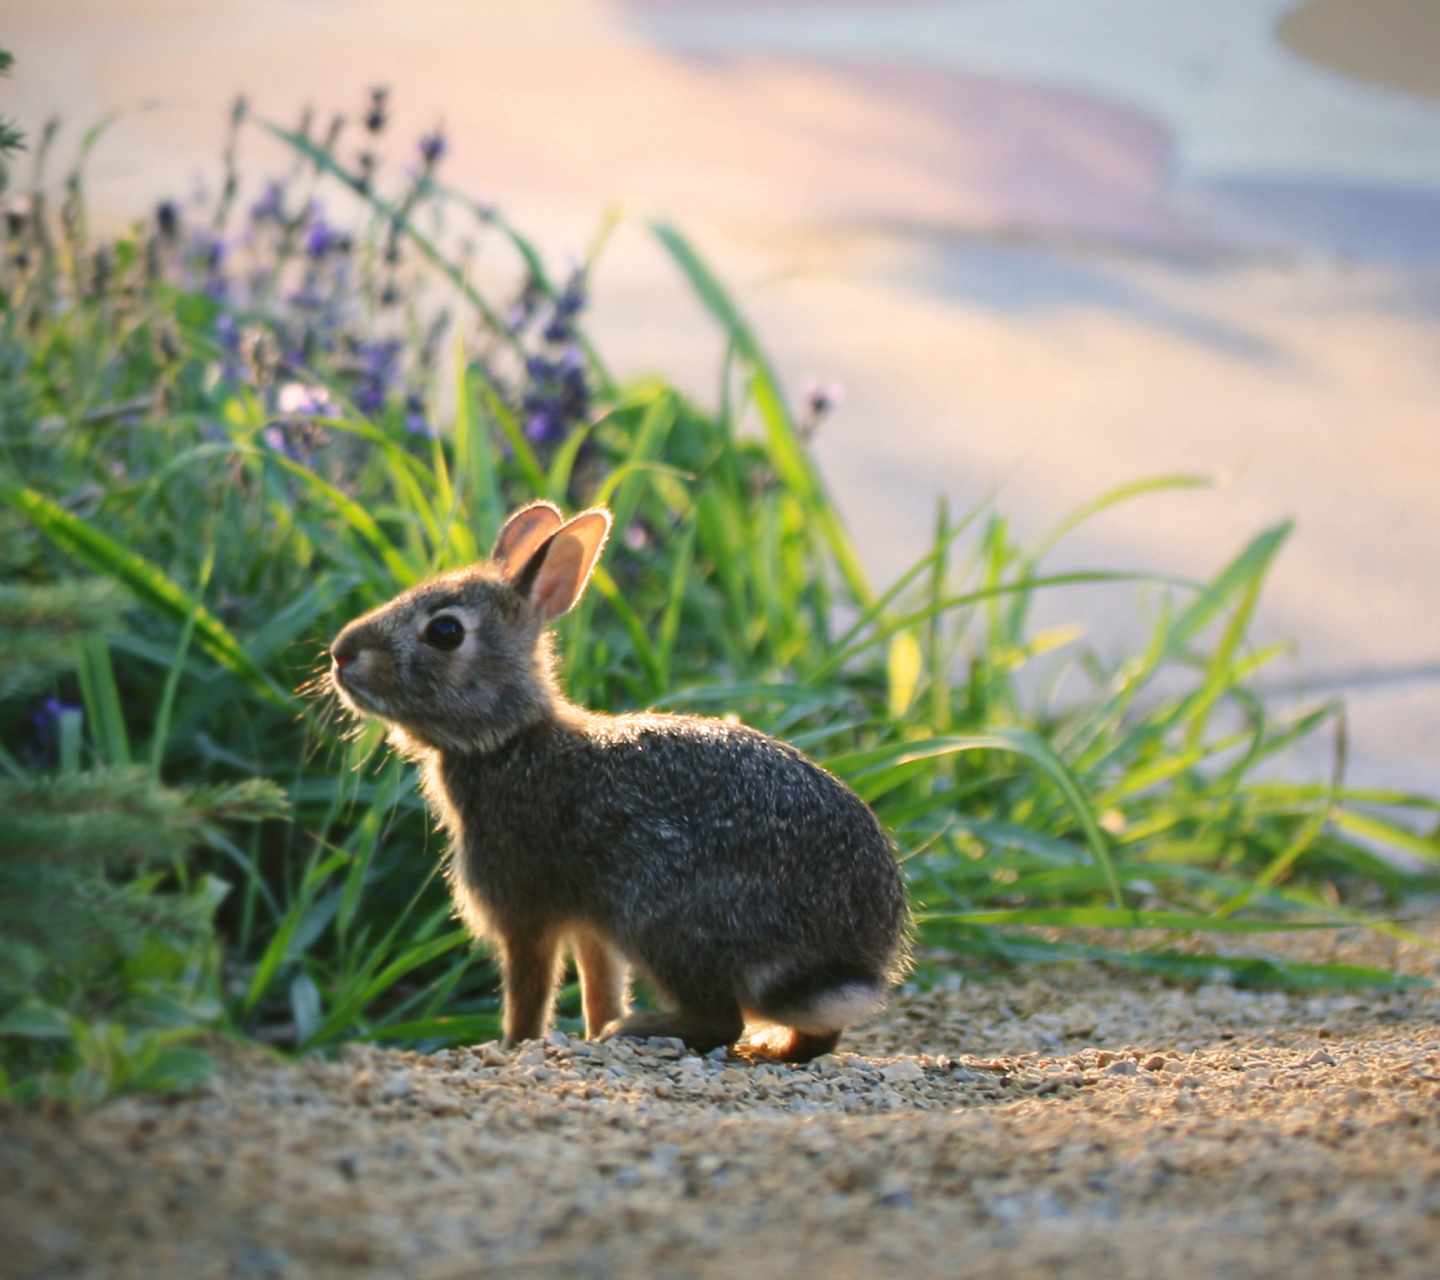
1079 1125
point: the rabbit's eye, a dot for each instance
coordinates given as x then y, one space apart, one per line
445 633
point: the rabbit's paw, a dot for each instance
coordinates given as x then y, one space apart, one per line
699 1033
786 1044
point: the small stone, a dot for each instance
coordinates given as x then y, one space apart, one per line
1124 1067
906 1071
492 1055
1172 1067
1155 1062
398 1086
893 1189
558 1040
1319 1059
1104 1058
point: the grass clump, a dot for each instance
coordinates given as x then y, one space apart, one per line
263 415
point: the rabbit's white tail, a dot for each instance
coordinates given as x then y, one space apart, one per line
814 1004
833 1010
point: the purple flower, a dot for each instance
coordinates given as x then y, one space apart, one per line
167 219
321 238
377 114
432 149
46 717
271 206
297 400
366 175
567 306
817 400
522 310
415 421
45 720
820 397
558 395
276 438
377 364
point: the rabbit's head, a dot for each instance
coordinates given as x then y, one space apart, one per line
462 662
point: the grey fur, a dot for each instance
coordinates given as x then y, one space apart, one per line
741 879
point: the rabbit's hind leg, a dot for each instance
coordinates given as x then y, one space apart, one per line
787 1044
701 1030
602 980
530 963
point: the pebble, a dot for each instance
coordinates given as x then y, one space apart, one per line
398 1086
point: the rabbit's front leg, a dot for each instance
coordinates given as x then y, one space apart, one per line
602 981
530 964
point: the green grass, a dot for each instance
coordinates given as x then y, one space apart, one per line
140 440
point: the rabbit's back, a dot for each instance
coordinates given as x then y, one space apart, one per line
675 833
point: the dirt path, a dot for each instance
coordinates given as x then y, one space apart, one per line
1078 1125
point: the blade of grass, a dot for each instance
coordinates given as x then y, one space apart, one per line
151 586
172 677
786 450
101 697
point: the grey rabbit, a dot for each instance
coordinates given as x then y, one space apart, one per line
743 881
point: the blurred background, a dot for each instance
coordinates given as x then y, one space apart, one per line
1045 246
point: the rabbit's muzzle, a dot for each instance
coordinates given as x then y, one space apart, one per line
355 669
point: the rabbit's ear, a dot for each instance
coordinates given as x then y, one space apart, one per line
523 533
555 576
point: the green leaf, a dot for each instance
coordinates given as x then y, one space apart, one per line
174 1069
147 581
36 1022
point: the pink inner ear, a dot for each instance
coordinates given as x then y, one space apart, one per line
557 586
523 533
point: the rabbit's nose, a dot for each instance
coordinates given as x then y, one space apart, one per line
343 657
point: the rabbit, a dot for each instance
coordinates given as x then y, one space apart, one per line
740 879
